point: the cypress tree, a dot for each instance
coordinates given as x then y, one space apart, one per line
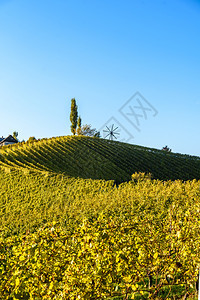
79 126
73 116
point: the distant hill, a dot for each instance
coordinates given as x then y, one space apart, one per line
86 157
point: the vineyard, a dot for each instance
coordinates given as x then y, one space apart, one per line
76 224
94 158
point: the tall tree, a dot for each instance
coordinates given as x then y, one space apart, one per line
79 125
73 116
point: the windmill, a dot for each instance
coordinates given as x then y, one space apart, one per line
111 132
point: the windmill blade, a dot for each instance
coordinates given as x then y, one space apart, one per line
107 136
114 136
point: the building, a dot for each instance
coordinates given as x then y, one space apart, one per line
7 141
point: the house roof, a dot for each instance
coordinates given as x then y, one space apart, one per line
9 139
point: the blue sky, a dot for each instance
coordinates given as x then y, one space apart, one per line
102 52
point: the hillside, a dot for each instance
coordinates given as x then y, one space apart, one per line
67 233
66 238
85 157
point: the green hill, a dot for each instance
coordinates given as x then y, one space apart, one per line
85 157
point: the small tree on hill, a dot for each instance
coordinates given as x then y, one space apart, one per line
31 139
167 149
73 116
88 131
15 134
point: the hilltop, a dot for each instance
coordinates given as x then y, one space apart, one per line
94 158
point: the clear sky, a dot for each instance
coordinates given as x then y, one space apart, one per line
102 52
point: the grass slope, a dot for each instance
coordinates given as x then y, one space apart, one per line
95 158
